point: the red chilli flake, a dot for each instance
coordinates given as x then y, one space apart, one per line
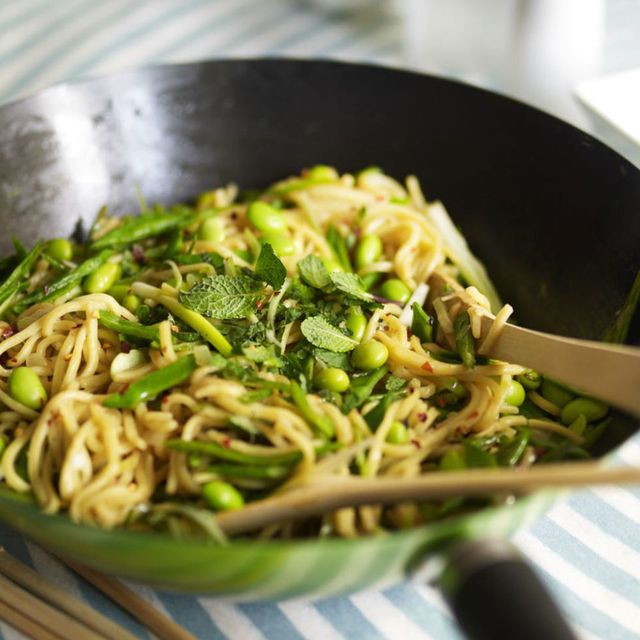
422 417
472 415
259 304
415 443
8 331
441 401
226 443
138 253
426 366
125 346
45 289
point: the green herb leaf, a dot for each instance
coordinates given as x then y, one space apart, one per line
324 335
313 272
422 324
223 297
337 243
332 359
394 383
350 284
362 387
270 268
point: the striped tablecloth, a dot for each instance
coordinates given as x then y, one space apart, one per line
586 549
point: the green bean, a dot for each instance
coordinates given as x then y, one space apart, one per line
368 250
148 387
332 265
266 218
119 291
332 379
370 279
266 472
397 433
103 278
530 379
396 290
339 247
421 324
145 226
510 453
370 355
362 387
555 393
356 322
281 243
221 496
515 395
323 424
464 339
25 387
13 283
63 283
591 409
59 249
126 327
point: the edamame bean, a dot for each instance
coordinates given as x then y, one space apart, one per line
265 217
211 230
322 172
397 433
591 409
333 379
394 289
119 291
356 323
369 355
515 395
25 387
281 244
221 496
332 265
530 379
131 302
102 278
555 393
368 250
60 249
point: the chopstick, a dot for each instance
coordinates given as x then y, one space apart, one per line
162 626
52 622
24 624
23 575
329 493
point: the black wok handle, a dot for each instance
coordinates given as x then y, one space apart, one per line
494 594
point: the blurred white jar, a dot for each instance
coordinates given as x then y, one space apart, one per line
536 50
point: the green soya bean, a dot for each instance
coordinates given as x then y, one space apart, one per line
322 173
211 230
369 279
530 379
282 244
394 289
397 433
119 291
369 355
131 302
332 265
59 249
356 323
369 249
103 278
592 410
265 217
221 496
333 379
555 393
25 387
515 395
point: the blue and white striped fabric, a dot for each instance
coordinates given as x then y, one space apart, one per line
586 549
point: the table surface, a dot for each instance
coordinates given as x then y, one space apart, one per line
587 549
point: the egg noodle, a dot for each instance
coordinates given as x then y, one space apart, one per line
198 298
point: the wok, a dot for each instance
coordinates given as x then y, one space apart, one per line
551 211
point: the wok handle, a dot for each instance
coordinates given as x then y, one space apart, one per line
495 594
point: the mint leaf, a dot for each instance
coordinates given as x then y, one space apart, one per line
351 284
313 272
394 383
324 335
270 268
223 297
332 359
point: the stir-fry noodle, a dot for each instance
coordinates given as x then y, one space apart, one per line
197 358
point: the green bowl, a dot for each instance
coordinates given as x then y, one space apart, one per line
253 570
